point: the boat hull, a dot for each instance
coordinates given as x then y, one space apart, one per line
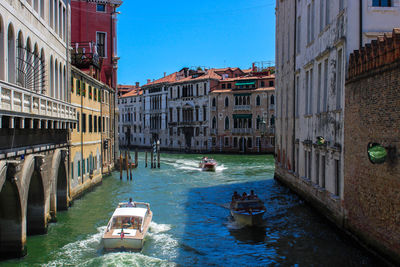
123 244
248 219
208 167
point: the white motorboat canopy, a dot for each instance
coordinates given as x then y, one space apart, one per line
131 211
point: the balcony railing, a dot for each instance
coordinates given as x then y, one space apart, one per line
17 99
84 54
242 131
241 107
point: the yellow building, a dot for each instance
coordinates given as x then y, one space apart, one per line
90 142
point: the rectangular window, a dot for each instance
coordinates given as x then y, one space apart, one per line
317 168
90 124
297 95
310 93
327 12
382 3
95 124
306 87
226 141
297 161
325 96
337 177
323 163
319 88
321 16
72 170
83 122
101 8
101 44
83 167
235 142
339 76
298 35
79 168
78 119
312 19
305 163
308 24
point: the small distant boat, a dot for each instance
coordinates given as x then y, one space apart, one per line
248 212
207 164
128 227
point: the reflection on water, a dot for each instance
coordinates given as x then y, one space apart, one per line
192 225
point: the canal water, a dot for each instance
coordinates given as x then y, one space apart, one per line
191 225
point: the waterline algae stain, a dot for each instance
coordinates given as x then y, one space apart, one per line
191 223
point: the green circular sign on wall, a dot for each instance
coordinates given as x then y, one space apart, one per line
377 154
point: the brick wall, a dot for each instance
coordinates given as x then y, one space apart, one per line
372 114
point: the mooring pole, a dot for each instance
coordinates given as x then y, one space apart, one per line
151 158
136 158
158 155
126 165
130 167
120 165
145 159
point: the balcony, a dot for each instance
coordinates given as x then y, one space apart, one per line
17 99
241 107
242 131
84 55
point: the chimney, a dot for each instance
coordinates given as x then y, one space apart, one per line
137 84
148 80
165 74
253 67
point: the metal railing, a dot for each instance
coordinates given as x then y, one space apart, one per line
242 131
241 107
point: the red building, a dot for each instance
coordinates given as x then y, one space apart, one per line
94 38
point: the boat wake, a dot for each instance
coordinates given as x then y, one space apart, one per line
220 168
182 164
163 241
77 254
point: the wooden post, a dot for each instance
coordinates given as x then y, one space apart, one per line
151 158
158 155
120 165
136 158
130 167
145 159
126 165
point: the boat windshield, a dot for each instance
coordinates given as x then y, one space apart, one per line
245 205
126 222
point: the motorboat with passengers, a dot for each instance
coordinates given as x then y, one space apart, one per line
208 164
247 210
128 227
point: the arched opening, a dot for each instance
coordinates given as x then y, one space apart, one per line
56 85
213 102
42 72
35 217
2 69
258 100
51 80
36 70
27 70
214 123
61 83
62 193
65 85
226 101
20 59
11 54
272 100
226 123
11 245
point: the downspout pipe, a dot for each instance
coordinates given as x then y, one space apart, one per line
295 88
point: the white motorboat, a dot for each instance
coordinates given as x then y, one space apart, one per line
207 164
248 212
128 227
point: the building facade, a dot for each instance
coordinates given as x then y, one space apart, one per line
131 118
373 116
313 43
242 114
35 118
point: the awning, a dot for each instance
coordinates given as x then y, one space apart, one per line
242 116
245 83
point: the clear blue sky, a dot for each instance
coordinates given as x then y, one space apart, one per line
163 36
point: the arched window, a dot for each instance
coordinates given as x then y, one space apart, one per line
236 101
226 101
42 72
11 54
258 123
61 82
213 102
226 123
27 70
248 100
51 80
36 71
56 85
20 59
272 121
214 123
2 68
235 123
258 100
272 99
240 101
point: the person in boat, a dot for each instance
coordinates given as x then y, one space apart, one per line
235 196
244 196
252 195
130 203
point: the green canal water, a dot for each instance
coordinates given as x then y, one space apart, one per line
191 226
